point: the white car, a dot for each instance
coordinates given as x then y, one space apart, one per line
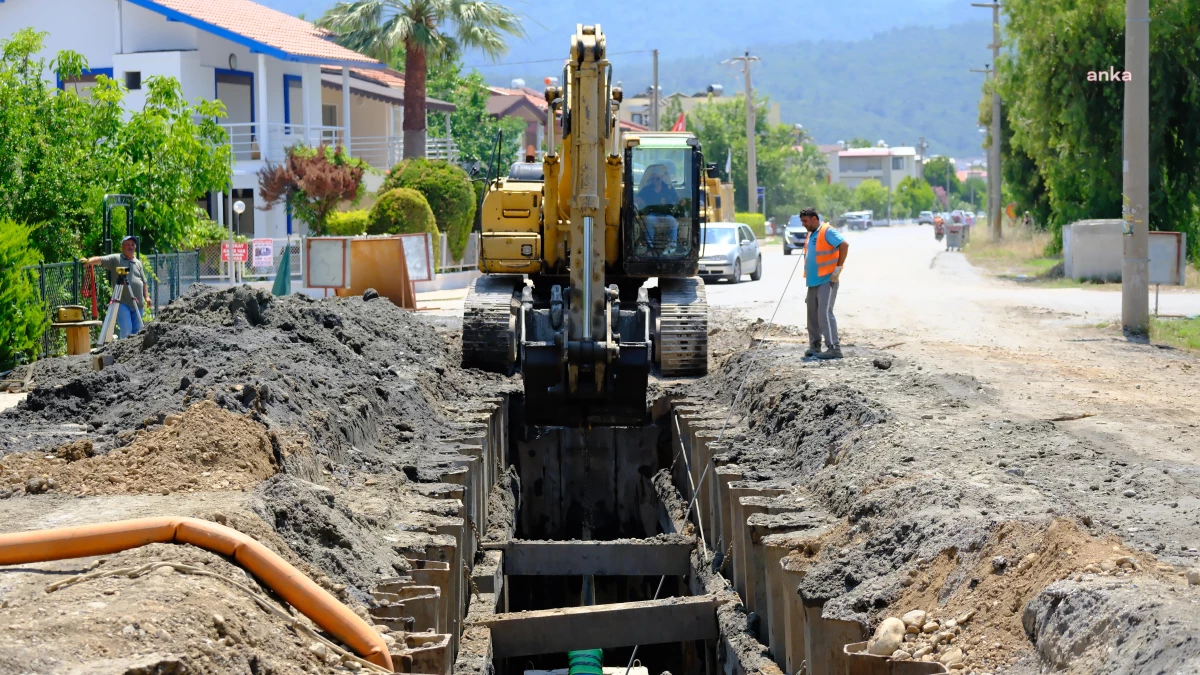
729 250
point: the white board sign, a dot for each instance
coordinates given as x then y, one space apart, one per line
1168 258
418 255
327 262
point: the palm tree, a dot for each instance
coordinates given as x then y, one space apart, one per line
383 29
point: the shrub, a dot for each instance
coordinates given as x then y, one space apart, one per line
404 211
347 223
21 313
755 221
448 190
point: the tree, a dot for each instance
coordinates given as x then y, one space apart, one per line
936 170
1067 130
21 311
418 28
870 195
914 195
835 200
473 129
859 143
312 182
62 152
669 114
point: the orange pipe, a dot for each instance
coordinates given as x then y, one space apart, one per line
297 589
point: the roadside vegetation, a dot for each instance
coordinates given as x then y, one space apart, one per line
1180 333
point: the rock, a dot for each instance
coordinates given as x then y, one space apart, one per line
888 637
352 666
882 363
951 656
1092 568
164 571
920 653
1193 577
129 630
36 485
999 563
915 618
913 630
162 634
389 640
901 654
1108 565
218 620
1130 493
318 650
1026 562
381 629
370 294
965 616
930 627
950 624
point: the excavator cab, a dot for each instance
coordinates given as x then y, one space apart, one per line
662 218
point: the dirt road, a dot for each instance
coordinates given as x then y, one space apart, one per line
1039 348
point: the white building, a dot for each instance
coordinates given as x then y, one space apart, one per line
886 165
282 80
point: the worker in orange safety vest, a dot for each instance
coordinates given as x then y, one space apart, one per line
824 256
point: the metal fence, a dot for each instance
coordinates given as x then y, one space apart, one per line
214 270
169 276
467 261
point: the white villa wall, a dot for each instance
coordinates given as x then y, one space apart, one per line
146 31
90 29
368 117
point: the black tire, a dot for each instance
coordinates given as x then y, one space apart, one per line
787 250
737 272
757 273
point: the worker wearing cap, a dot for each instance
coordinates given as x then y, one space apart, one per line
136 292
824 256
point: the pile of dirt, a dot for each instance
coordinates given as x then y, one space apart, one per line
203 449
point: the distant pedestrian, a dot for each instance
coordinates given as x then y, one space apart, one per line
135 295
824 256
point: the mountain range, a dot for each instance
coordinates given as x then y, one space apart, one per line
877 69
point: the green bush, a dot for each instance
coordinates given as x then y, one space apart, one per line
347 223
448 190
755 221
404 211
21 313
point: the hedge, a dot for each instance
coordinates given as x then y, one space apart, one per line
448 190
755 221
22 317
347 223
404 211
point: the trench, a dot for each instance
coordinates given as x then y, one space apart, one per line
596 485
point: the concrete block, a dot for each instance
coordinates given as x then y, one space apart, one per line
1096 249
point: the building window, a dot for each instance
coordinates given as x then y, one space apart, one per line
636 118
329 115
898 163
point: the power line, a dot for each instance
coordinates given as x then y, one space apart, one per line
525 63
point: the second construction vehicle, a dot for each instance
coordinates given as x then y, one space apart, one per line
568 247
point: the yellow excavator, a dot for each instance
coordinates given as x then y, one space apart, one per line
569 247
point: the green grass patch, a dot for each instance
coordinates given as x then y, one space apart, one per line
1182 333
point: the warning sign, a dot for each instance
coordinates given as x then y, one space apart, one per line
241 252
264 252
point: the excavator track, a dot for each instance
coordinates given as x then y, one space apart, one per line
683 327
489 337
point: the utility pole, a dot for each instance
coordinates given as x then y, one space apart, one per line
751 156
654 96
994 198
1135 265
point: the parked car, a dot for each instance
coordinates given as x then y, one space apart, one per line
729 250
925 218
858 221
794 236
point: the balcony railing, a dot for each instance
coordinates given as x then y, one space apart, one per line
252 142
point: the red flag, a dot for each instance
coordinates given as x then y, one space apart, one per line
680 124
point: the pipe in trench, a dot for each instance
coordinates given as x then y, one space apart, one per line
291 585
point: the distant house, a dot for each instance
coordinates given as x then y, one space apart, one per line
283 81
530 105
637 108
886 165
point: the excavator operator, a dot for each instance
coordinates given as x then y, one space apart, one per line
654 201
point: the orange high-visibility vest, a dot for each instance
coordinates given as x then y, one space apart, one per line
827 256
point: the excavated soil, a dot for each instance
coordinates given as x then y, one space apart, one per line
933 484
312 425
204 448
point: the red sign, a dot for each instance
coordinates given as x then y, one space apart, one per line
681 123
241 252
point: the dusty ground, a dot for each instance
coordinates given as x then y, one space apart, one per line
953 455
314 426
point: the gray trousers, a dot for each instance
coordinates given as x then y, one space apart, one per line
821 322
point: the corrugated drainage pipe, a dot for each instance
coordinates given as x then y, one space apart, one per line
297 589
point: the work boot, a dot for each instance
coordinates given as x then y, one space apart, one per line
814 348
834 352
